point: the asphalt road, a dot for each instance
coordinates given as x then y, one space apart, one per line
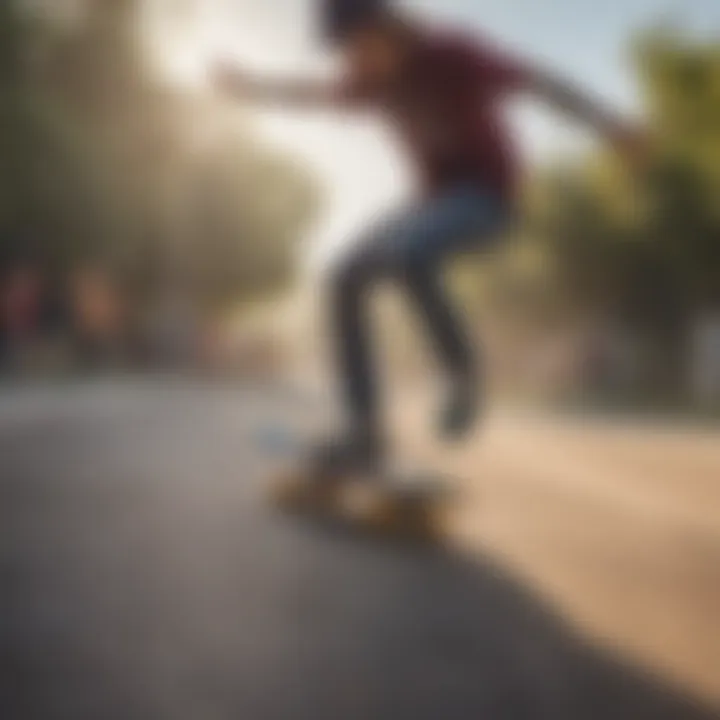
143 578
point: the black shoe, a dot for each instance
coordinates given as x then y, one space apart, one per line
462 407
352 452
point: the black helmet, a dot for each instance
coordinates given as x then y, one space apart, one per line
340 17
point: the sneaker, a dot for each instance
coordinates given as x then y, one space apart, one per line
349 452
461 408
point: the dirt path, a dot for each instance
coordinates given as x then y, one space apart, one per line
619 525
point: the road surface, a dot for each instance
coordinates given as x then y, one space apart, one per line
143 577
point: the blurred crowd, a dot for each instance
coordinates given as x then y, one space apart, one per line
85 321
47 326
611 364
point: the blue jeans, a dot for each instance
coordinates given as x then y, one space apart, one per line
410 249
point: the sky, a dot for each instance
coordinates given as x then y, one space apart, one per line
356 164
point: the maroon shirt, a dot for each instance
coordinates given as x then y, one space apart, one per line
445 107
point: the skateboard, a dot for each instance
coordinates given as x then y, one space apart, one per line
410 502
376 502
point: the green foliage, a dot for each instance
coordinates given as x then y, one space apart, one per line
644 248
100 163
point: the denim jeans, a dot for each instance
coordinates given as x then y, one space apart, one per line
409 248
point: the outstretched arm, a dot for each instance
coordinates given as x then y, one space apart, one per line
569 100
502 71
296 93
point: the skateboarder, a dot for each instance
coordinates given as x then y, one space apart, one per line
442 93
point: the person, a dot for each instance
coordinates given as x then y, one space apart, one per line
442 92
22 298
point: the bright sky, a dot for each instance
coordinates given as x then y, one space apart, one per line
356 164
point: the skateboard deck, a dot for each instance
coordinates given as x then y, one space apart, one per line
405 498
412 504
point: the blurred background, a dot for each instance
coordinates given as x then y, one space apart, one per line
148 225
137 227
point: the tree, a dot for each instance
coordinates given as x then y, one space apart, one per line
101 163
644 249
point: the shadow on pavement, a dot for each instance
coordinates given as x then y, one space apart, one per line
351 630
143 579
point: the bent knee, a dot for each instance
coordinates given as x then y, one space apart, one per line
412 265
351 275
